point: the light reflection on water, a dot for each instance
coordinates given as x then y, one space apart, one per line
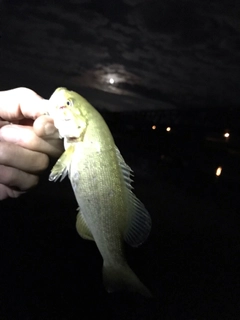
205 150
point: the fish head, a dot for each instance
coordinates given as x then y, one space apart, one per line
66 112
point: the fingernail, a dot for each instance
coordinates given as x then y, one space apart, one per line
49 129
42 107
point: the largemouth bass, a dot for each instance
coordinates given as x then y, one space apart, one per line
109 212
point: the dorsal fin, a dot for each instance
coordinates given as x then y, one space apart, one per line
126 170
139 221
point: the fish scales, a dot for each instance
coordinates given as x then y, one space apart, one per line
96 205
109 212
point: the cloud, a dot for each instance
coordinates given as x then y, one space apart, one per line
181 51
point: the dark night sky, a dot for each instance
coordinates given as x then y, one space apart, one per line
161 54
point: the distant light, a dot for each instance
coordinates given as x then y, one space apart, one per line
168 129
154 127
218 171
111 80
227 135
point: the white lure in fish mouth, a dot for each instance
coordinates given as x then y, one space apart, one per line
64 120
63 112
67 127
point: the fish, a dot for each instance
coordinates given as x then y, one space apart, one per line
109 212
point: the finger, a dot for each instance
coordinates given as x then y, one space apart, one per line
3 123
44 127
25 137
23 159
8 192
17 179
22 103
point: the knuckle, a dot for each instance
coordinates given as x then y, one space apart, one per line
6 175
4 152
25 91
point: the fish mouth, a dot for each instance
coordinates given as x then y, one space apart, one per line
63 114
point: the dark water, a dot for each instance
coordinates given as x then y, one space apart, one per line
190 261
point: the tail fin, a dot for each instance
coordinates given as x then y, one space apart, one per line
120 278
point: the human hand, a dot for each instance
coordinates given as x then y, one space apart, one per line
27 139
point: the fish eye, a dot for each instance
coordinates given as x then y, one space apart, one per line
69 103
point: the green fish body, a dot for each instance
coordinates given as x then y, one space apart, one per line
109 212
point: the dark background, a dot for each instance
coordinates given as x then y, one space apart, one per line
190 261
175 64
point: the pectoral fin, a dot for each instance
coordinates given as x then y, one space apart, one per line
61 167
82 227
